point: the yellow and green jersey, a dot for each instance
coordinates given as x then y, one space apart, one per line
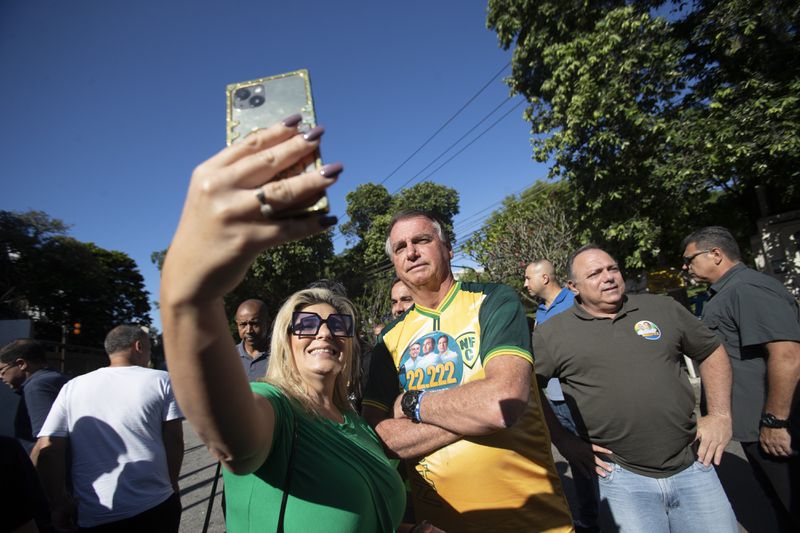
505 481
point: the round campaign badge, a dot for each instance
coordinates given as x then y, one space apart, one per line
648 330
431 362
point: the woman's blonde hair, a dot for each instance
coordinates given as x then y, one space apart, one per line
282 371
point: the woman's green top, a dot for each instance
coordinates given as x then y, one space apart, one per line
341 479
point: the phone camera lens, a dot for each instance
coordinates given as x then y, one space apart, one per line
256 101
242 94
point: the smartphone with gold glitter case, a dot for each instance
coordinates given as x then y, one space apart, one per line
260 103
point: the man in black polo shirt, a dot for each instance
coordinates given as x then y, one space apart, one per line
618 360
758 322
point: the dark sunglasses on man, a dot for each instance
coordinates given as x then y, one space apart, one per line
687 260
305 324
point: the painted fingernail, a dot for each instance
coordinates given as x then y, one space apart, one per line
332 170
292 120
327 221
314 133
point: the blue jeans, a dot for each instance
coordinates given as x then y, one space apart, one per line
585 487
691 500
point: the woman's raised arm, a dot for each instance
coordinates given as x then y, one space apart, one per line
221 231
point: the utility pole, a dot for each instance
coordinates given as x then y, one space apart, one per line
63 347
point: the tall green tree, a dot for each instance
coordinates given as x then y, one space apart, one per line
659 124
57 281
537 224
741 118
21 238
363 204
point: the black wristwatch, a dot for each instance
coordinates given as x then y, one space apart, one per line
409 403
768 420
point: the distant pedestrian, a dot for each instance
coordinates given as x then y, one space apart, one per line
401 297
252 323
24 368
121 428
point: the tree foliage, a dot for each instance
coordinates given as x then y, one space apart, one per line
363 268
281 271
277 273
659 124
57 280
363 204
535 225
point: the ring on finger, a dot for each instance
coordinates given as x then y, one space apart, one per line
266 208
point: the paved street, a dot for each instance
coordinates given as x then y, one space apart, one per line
198 471
197 474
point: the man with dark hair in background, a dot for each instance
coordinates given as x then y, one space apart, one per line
758 322
401 297
24 368
252 323
123 431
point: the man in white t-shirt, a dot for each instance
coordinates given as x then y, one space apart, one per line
122 428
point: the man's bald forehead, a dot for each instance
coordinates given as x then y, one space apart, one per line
585 253
253 305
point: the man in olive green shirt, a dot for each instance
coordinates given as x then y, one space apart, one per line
618 360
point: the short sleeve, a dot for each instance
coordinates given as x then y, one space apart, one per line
697 341
504 329
543 357
39 397
382 385
57 423
284 414
171 409
764 316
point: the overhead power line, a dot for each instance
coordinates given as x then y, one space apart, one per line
448 121
443 126
481 121
473 128
484 132
481 134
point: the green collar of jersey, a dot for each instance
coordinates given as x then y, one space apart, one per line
448 299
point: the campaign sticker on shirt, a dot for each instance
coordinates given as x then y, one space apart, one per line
432 362
648 330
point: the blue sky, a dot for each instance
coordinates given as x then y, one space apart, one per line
107 106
